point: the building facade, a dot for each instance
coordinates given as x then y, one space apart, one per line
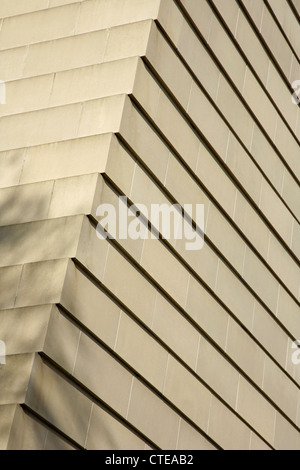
116 336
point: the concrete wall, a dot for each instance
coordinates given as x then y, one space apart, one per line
142 344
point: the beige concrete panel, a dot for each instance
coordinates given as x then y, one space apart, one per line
30 434
12 63
20 243
235 112
296 237
288 147
96 81
15 375
95 14
229 12
185 189
120 166
7 413
290 193
245 352
281 389
251 224
277 214
252 47
75 195
187 42
288 312
19 7
58 3
204 263
152 416
225 238
288 21
175 330
11 164
256 410
207 312
27 95
92 251
201 14
62 159
141 351
255 10
176 131
294 75
217 372
270 334
39 127
259 103
208 121
53 442
243 168
29 326
62 340
169 67
90 305
49 276
127 40
62 54
276 42
286 436
9 279
170 17
227 53
198 58
282 96
257 444
125 282
108 433
144 190
260 279
235 295
30 202
187 393
226 428
284 265
56 399
267 159
39 26
171 275
101 116
190 439
213 176
61 123
146 143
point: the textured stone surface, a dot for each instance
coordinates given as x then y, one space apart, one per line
122 344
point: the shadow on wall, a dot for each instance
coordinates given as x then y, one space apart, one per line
20 205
